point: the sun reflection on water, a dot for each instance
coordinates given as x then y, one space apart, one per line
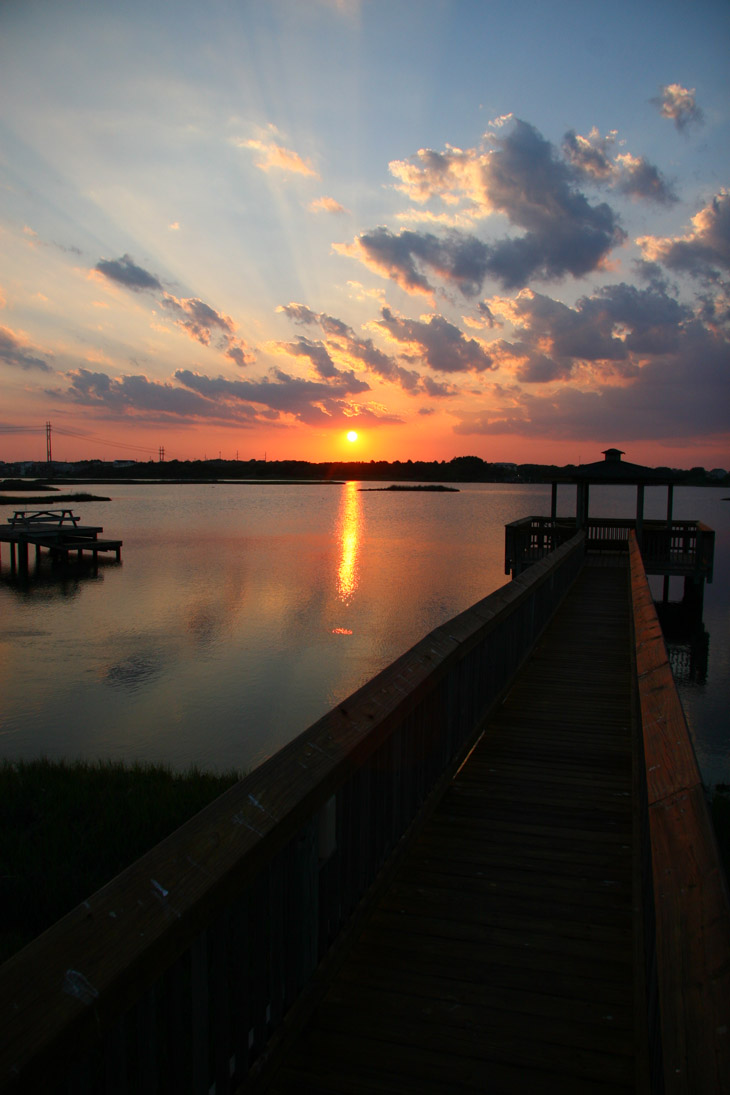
349 522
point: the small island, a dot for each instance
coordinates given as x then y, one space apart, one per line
404 486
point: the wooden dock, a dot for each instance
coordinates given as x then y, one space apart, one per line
59 532
502 954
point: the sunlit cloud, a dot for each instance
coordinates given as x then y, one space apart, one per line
17 352
679 104
198 320
593 158
518 174
314 403
704 251
327 205
273 156
355 351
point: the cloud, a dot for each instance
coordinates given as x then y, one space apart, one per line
458 259
674 399
592 159
193 316
352 349
678 393
610 333
312 402
323 364
274 157
205 325
705 250
194 397
679 104
518 174
17 352
326 205
126 273
138 397
439 343
198 318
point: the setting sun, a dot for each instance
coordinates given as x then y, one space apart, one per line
352 436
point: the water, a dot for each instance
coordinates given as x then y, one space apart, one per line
243 612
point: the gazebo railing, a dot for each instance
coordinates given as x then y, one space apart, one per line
675 547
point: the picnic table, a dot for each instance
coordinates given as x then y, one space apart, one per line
44 517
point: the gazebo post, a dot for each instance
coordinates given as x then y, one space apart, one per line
554 502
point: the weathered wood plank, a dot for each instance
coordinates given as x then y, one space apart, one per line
503 949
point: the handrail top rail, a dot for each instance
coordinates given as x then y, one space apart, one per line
569 522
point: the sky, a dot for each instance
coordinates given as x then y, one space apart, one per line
247 228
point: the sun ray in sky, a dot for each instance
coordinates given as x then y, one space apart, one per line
496 245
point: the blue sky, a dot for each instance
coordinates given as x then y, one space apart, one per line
454 227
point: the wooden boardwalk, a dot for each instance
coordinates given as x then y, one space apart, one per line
501 954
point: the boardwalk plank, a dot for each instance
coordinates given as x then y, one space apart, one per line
500 957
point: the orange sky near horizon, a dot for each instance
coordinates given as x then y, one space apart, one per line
385 443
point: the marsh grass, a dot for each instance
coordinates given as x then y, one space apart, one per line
68 828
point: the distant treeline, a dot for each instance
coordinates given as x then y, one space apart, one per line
462 469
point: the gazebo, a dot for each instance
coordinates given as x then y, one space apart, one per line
668 547
614 471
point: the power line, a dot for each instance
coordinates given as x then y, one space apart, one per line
81 435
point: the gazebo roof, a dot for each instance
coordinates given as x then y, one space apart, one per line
613 470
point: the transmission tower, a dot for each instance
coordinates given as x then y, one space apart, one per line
49 453
162 454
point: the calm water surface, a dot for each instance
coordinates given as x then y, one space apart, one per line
241 613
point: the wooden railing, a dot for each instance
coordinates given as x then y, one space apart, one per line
176 975
678 547
687 929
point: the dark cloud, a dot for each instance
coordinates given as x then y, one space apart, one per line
195 397
198 318
458 259
679 104
352 348
16 353
311 402
207 326
299 313
612 330
677 396
137 396
318 354
592 158
126 273
193 316
519 175
704 252
441 345
564 233
591 155
640 179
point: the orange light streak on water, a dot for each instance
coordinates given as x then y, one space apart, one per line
349 523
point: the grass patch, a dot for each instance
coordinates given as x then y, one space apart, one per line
67 829
6 500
